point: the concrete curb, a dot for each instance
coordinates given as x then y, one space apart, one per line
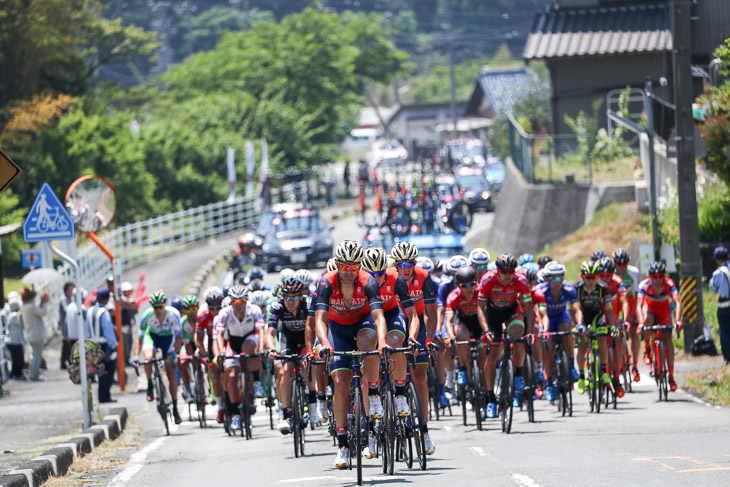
57 461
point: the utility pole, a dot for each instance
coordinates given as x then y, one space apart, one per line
452 77
689 249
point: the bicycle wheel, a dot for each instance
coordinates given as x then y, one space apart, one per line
563 383
460 217
358 432
246 404
664 381
162 407
528 392
462 399
593 394
506 395
626 366
599 385
477 405
416 418
399 221
269 398
295 416
388 433
302 414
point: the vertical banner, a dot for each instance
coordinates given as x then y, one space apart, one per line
231 163
264 159
249 168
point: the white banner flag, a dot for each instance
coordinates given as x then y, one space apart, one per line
264 159
249 167
231 163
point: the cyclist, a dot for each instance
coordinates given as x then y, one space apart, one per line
423 294
238 328
525 258
558 305
205 331
287 318
596 309
189 320
543 260
479 259
530 272
653 307
306 278
463 302
393 291
349 315
597 255
630 276
620 305
427 265
160 328
502 294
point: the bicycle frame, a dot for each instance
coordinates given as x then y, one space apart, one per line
298 401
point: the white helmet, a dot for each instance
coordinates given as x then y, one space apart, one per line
455 263
479 256
286 273
425 263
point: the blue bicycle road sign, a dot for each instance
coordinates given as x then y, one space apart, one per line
47 219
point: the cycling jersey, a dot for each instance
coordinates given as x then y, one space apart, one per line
393 291
503 296
291 323
658 301
436 281
444 289
188 330
631 283
616 289
567 297
365 297
169 326
595 303
421 290
205 321
231 327
465 309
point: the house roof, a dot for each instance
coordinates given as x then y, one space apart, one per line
601 31
500 86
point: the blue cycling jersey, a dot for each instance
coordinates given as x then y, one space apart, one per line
568 296
446 286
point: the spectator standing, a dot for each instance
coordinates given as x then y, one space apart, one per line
346 177
68 296
74 320
720 285
102 332
129 313
16 337
35 329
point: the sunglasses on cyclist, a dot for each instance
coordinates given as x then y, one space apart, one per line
158 306
191 309
214 307
349 267
467 285
588 277
507 271
556 279
291 298
657 276
480 266
405 265
238 301
378 273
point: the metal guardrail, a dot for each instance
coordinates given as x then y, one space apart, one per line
142 241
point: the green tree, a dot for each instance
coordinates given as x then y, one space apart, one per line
716 127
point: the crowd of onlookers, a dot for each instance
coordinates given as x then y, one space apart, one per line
23 325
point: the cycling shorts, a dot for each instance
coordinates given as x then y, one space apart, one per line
422 357
154 341
661 316
343 339
234 346
556 320
396 320
472 324
496 317
291 343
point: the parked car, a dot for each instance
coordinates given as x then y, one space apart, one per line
478 193
356 145
387 152
494 169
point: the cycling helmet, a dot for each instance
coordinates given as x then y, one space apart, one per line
506 261
331 265
479 256
541 275
425 263
621 256
598 254
291 285
256 285
190 301
374 260
214 296
177 302
455 263
238 292
255 272
404 251
226 289
525 258
349 251
589 268
530 274
158 299
657 267
606 266
437 266
260 298
554 268
285 273
543 260
465 275
304 276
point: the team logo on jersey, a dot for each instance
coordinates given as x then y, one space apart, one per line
387 288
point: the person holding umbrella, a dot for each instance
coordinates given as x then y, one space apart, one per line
35 328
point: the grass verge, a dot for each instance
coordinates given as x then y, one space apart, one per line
713 384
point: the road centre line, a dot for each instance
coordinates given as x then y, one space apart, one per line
524 480
136 462
478 450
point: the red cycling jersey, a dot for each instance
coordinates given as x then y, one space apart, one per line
394 290
421 290
457 303
205 321
365 297
498 295
658 301
616 289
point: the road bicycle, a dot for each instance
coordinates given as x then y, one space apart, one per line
595 383
412 426
269 384
331 427
530 379
299 406
388 429
505 382
199 392
436 410
163 404
659 359
561 374
471 392
246 406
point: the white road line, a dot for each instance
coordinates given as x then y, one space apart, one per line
136 462
524 480
305 479
448 428
478 450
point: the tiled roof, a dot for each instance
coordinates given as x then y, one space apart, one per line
601 31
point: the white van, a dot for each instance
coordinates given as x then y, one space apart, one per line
357 144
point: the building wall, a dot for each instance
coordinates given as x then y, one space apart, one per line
710 29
